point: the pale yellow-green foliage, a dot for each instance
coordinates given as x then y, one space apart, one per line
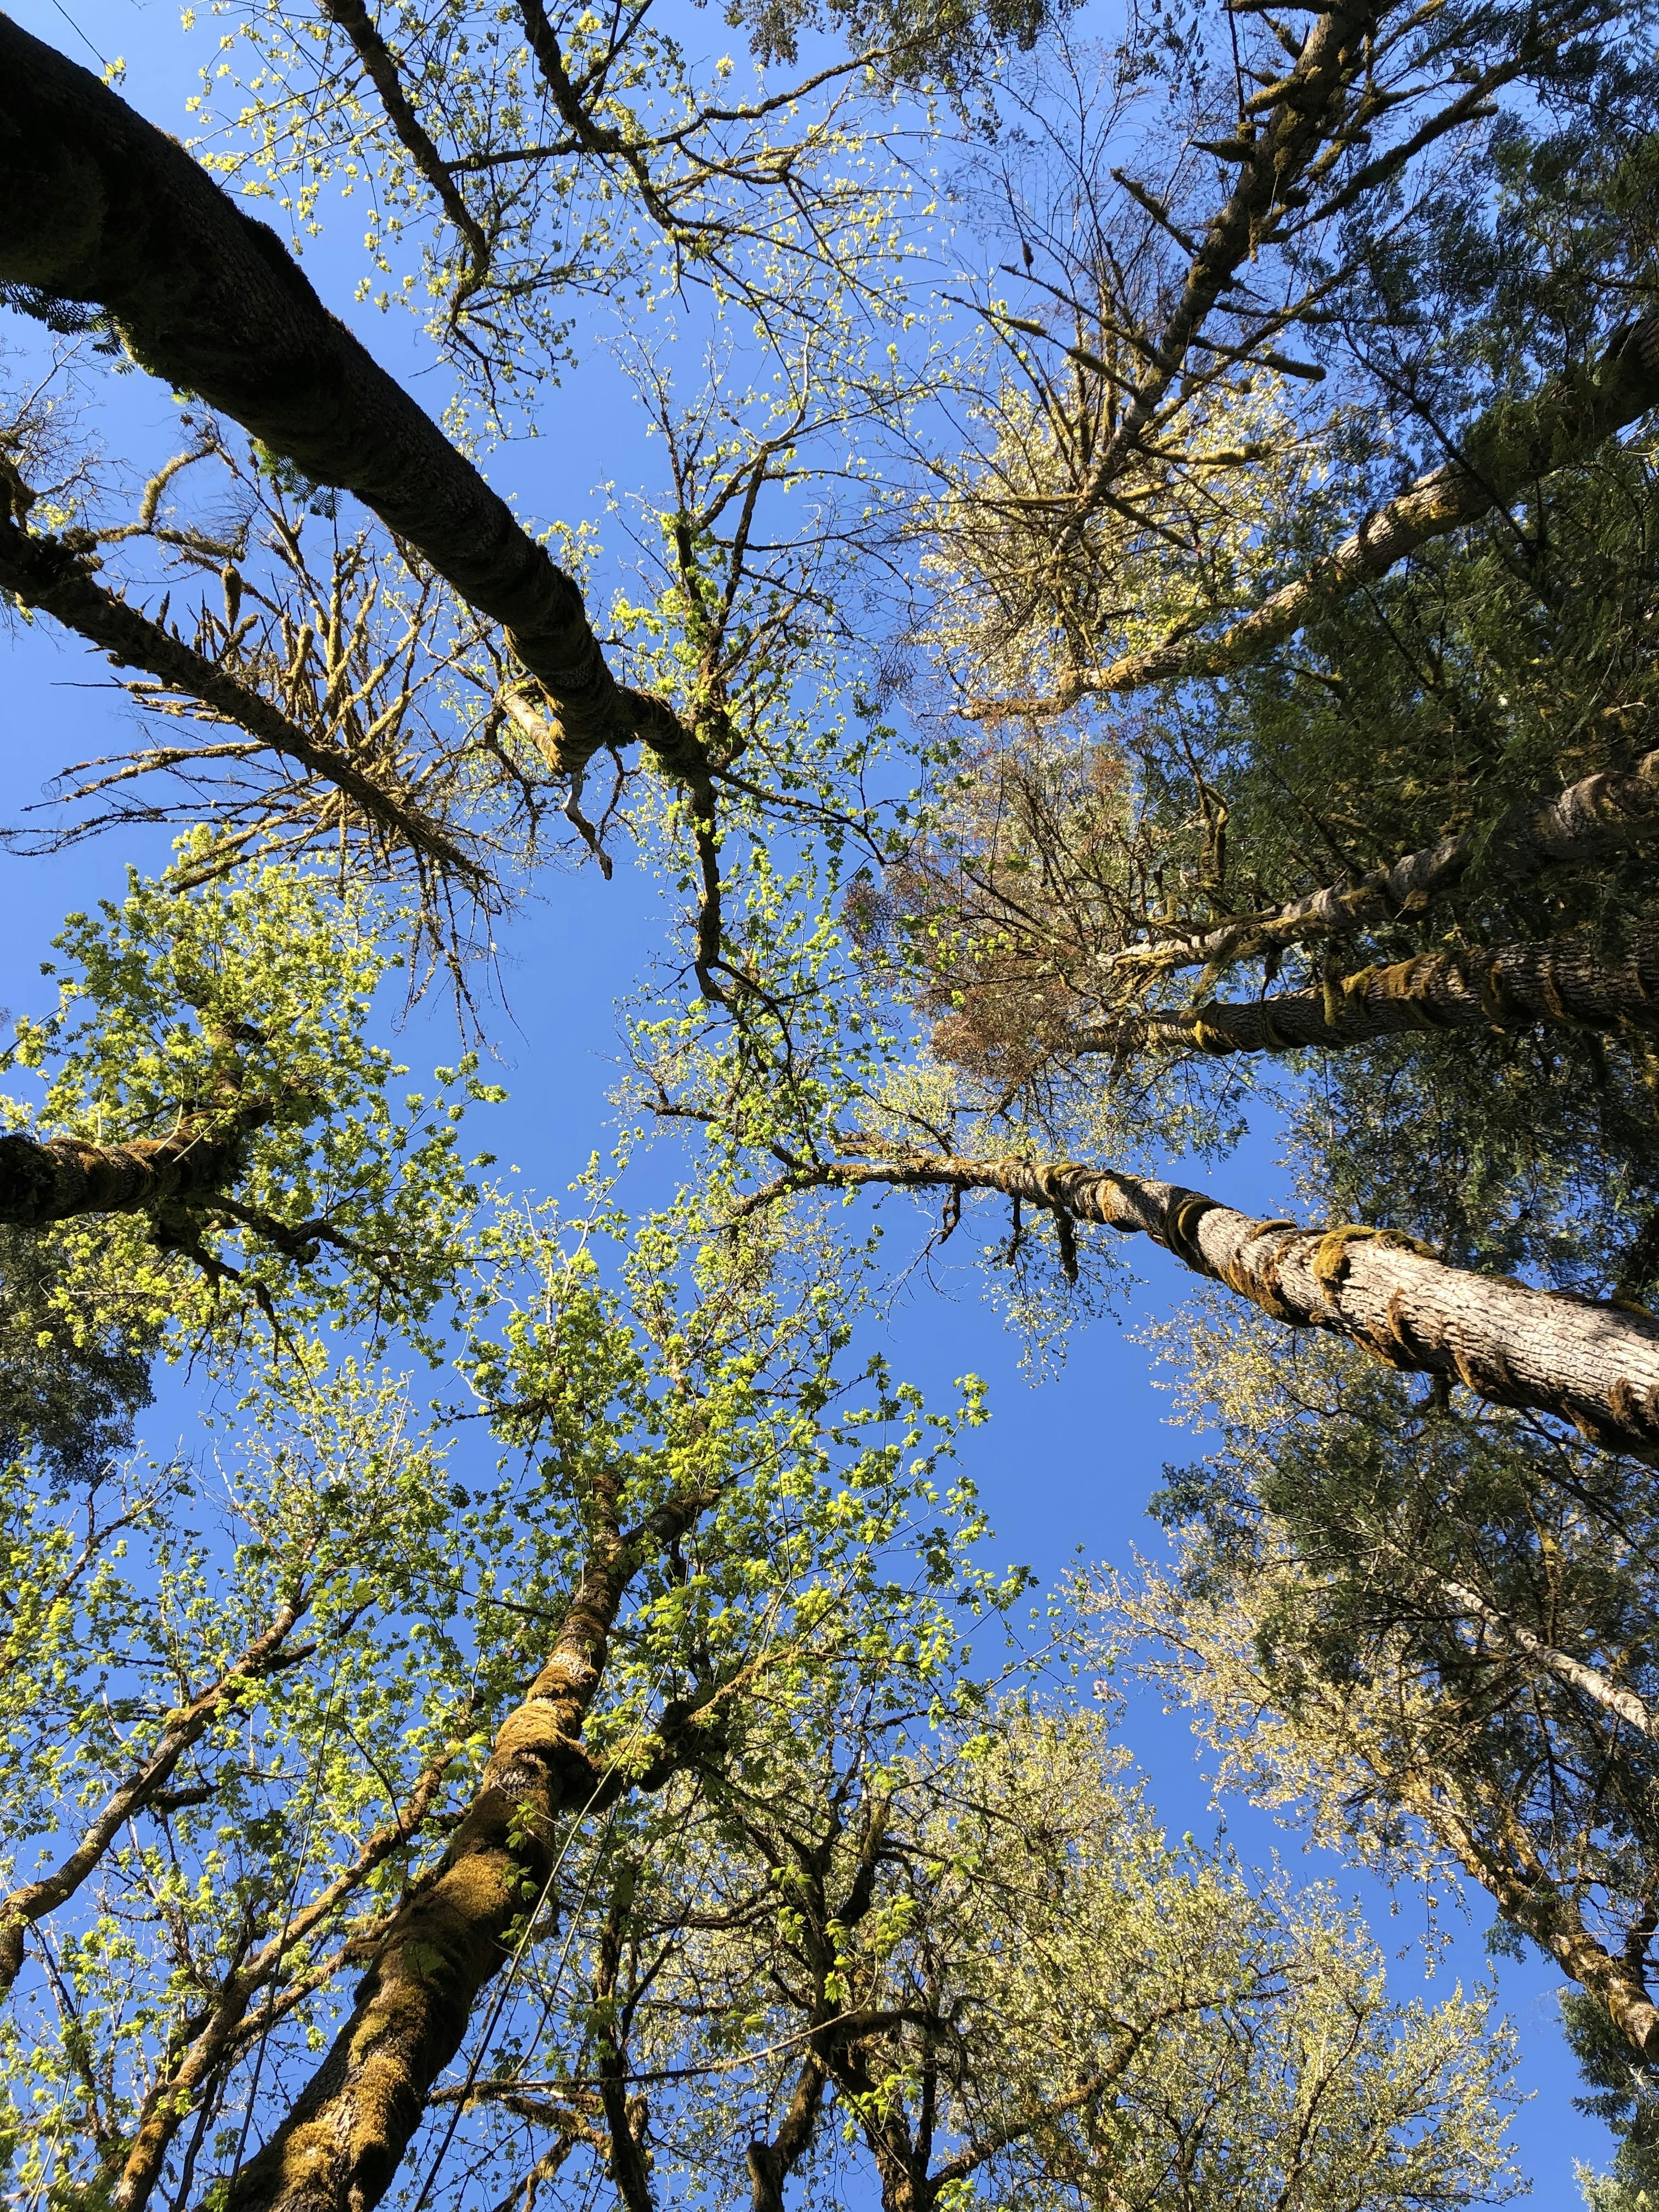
1040 2000
1027 584
1259 2054
774 202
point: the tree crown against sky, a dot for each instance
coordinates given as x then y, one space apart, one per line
1140 624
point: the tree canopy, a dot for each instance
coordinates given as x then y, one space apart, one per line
1126 638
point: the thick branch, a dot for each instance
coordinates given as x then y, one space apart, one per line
1511 447
1588 1681
100 206
1591 820
59 579
1594 1365
1567 985
1271 163
64 1176
1531 1902
178 2086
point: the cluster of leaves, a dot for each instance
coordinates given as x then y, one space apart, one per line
244 1008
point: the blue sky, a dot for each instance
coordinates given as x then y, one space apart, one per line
1064 1467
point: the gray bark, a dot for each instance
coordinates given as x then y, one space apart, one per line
1588 1681
1592 1363
1591 820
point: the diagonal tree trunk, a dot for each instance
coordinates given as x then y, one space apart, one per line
1596 1365
1527 1896
1271 163
45 572
1593 820
1588 1681
100 206
1566 985
187 2076
1507 450
340 2145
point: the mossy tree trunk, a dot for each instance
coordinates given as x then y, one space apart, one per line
101 207
1592 1363
1566 985
340 2147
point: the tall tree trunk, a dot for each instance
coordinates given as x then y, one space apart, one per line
340 2145
1594 1365
51 1181
1591 820
190 2069
1531 1900
1271 162
1506 451
1567 985
98 206
1588 1681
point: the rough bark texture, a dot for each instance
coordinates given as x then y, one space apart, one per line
340 2147
187 2074
59 578
1591 820
1592 1363
102 207
1568 985
178 2086
32 1900
1510 448
1531 1900
42 1182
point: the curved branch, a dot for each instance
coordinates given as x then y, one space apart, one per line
1591 820
1512 446
381 67
58 578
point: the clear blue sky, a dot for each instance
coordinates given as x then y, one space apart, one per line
1064 1468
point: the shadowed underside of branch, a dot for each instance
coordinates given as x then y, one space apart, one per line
1507 450
1568 985
1594 1365
1591 820
97 205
